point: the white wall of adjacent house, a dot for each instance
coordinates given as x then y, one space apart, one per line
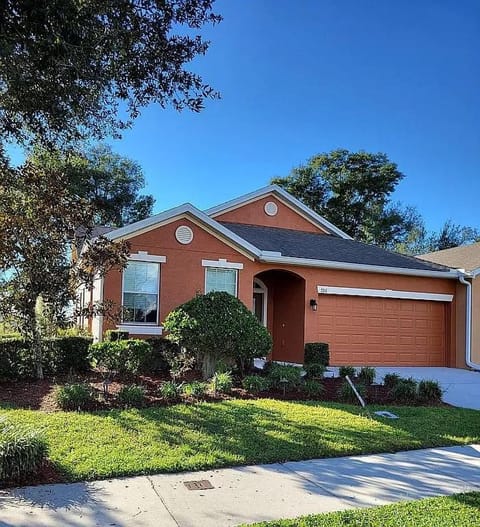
97 321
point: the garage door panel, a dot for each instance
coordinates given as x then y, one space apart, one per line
388 331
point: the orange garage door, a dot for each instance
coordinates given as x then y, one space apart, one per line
382 331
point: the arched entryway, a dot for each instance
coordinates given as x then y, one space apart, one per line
279 303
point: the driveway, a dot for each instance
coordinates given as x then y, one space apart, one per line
462 387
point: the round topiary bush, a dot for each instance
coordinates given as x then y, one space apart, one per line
22 451
217 326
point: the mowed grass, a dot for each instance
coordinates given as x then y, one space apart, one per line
236 432
461 510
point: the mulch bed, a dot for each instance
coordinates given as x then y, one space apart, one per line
39 395
45 475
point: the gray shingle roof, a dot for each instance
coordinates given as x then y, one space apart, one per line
299 244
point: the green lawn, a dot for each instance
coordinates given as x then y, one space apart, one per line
235 432
461 510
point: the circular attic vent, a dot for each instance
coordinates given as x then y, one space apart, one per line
184 234
271 208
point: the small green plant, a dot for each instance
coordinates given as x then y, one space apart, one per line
405 391
343 371
347 395
221 382
390 380
132 396
195 389
169 391
74 396
256 383
429 391
315 370
22 451
316 353
367 375
284 377
314 388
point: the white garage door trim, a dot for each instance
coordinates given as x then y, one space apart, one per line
382 293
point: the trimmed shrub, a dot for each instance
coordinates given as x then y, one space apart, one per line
367 375
405 390
343 371
195 389
256 383
221 382
75 396
60 355
218 326
347 395
169 391
429 391
67 353
313 388
133 395
15 359
113 335
316 353
315 370
22 451
288 377
159 360
391 379
124 356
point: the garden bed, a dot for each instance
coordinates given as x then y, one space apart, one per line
39 395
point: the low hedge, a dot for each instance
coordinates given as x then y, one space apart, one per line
123 356
316 353
22 451
60 355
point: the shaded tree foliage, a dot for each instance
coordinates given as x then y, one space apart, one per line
353 191
39 220
421 241
67 67
109 182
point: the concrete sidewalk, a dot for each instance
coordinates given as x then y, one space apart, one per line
246 494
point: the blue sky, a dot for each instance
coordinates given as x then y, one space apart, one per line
303 77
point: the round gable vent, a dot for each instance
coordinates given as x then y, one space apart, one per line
184 234
271 208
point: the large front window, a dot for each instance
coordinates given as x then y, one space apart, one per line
140 292
219 279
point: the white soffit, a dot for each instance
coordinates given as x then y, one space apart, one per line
382 293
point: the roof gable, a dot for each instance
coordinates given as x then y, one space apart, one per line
462 257
185 210
284 197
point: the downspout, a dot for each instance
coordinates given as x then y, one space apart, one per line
468 323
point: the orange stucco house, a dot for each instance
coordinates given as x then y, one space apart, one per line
305 279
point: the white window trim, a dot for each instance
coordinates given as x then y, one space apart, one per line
143 324
141 329
216 267
222 264
143 256
383 293
262 288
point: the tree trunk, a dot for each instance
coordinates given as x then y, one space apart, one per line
208 365
34 340
37 354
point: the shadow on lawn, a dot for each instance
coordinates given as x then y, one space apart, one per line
233 433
